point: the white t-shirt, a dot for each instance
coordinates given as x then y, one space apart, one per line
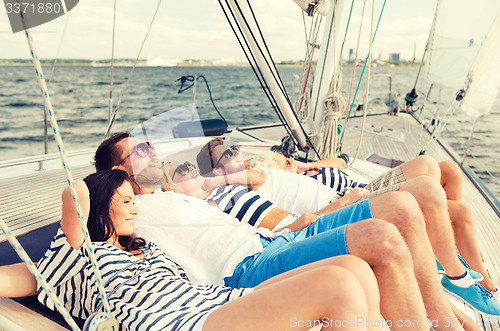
294 192
208 243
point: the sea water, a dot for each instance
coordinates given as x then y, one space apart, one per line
80 96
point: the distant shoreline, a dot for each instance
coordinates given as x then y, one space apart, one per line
90 63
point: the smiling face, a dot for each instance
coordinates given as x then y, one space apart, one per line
227 159
186 176
140 161
122 211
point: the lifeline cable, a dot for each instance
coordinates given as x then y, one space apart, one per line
69 176
36 273
113 117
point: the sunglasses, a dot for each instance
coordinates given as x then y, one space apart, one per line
141 149
183 169
229 153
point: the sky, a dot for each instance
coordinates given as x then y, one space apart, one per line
197 29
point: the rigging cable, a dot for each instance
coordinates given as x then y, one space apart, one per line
275 73
439 127
345 35
427 92
467 149
311 41
46 126
355 59
362 73
113 117
36 273
193 79
253 63
365 106
112 64
485 169
69 176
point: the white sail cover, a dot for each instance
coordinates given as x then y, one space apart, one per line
484 75
460 30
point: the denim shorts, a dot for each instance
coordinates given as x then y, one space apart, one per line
323 239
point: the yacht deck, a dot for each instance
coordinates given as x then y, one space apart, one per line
32 201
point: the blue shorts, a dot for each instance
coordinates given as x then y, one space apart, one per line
323 239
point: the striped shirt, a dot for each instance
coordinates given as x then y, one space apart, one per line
242 203
335 179
151 293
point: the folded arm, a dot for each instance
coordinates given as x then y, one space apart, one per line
252 179
70 223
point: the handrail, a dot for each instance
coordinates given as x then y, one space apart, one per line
41 158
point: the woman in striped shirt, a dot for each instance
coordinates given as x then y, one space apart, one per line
146 290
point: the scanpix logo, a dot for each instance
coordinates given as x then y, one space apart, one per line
25 14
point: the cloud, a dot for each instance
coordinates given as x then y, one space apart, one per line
197 29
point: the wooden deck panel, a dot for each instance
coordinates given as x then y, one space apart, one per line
486 221
34 201
16 317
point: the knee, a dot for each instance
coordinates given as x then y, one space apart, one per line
461 215
429 167
430 192
450 170
337 282
388 244
405 210
353 264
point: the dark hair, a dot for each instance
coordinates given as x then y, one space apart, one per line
107 155
102 186
205 159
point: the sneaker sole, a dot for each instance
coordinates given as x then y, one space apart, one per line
468 304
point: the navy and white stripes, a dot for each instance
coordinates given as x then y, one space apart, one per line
242 203
335 179
144 294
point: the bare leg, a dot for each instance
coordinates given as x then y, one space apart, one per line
381 246
353 264
451 180
465 235
432 201
330 293
400 209
421 166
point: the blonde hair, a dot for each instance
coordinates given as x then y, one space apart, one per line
169 184
265 160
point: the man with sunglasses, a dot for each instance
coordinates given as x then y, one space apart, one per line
374 241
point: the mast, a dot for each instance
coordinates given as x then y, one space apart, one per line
328 62
241 11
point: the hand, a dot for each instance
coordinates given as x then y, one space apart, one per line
302 222
357 193
210 184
